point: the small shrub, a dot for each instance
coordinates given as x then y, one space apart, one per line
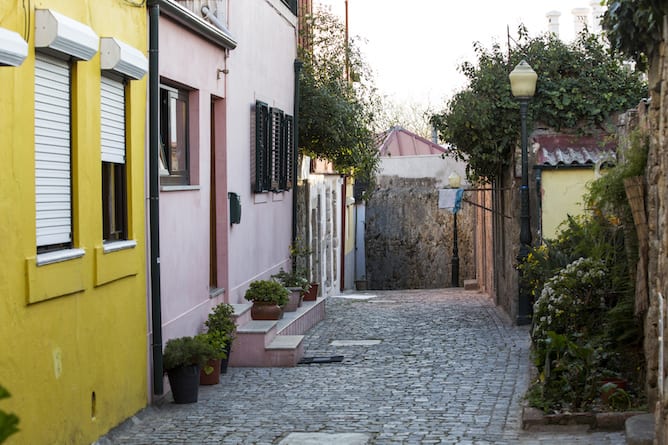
186 351
268 291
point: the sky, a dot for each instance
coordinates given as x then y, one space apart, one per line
415 47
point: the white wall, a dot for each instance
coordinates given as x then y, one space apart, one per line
429 166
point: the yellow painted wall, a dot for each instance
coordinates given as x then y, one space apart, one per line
563 192
77 327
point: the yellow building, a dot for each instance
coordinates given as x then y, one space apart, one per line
566 164
73 319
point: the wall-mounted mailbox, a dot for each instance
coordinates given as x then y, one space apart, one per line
235 207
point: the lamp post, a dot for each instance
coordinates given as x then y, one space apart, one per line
523 86
455 182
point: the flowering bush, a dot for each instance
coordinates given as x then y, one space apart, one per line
571 300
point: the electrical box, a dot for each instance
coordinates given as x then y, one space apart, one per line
235 207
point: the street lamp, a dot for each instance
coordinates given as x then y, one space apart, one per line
455 182
523 86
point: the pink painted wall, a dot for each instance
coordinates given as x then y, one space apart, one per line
260 68
192 63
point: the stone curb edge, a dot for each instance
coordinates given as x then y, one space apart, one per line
608 421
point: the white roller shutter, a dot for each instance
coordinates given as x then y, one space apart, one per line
112 106
53 167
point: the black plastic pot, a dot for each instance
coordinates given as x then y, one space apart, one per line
226 360
184 382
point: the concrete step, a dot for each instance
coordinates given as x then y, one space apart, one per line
261 343
640 430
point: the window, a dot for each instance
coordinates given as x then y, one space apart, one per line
53 159
274 149
114 184
174 153
292 4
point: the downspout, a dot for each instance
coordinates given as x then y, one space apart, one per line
295 155
154 193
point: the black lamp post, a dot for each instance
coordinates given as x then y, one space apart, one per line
523 86
455 182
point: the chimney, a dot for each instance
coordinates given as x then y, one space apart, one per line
581 20
597 12
553 22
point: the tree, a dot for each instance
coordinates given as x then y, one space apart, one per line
336 120
412 116
580 85
634 27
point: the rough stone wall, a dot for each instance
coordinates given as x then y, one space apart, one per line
409 239
657 205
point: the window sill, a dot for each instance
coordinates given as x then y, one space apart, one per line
58 256
114 246
178 188
216 292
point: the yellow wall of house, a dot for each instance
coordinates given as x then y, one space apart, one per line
563 192
73 348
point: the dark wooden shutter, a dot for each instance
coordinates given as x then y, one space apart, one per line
287 153
262 147
276 139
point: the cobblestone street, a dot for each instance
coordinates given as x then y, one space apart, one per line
427 366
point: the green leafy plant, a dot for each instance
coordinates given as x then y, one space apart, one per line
634 28
8 421
580 85
267 291
220 321
336 119
186 351
292 280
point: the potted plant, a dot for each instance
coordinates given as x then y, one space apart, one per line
268 297
300 258
209 373
182 359
220 324
297 284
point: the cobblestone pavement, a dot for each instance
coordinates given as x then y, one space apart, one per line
448 369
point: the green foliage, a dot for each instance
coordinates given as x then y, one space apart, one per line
292 279
579 87
186 351
8 421
268 291
607 194
634 27
221 328
336 119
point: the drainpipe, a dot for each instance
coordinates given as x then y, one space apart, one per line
295 155
154 192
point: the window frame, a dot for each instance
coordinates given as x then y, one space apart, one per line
167 175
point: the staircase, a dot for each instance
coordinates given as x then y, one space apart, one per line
264 343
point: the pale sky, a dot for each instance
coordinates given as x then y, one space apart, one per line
414 47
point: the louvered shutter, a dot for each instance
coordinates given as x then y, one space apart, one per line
53 166
261 147
276 139
287 161
112 107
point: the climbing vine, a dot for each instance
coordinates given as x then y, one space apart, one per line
580 85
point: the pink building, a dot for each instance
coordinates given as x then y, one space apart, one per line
221 129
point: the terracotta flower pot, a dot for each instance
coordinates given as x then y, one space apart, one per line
262 310
213 377
294 299
312 293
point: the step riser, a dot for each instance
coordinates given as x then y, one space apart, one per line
252 349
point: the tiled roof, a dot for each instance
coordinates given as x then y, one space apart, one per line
564 149
398 141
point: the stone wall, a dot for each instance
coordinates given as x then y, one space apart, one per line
657 209
409 239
